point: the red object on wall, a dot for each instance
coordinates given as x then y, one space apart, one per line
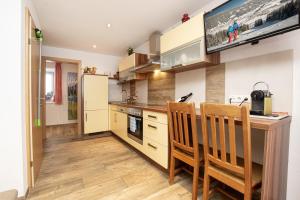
58 84
185 17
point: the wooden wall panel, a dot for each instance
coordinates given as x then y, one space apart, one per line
132 88
215 84
161 88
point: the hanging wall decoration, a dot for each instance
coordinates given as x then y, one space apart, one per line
72 95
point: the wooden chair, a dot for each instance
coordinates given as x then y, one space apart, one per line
240 174
184 140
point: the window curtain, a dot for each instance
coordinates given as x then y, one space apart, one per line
58 84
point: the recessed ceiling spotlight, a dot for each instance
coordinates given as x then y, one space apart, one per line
108 25
94 46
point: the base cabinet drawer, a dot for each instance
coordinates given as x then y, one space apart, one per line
156 152
156 117
156 131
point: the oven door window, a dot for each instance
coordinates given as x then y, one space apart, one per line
135 126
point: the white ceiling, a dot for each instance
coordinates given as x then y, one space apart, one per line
79 24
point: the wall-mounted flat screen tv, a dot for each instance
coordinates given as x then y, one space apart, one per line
239 22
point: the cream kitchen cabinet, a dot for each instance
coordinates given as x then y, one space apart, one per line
183 34
156 152
155 133
121 129
118 122
95 121
95 92
113 120
133 60
183 48
155 117
95 100
155 138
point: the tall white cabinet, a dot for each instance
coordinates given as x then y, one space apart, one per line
95 103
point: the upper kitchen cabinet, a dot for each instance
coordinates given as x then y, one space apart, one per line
127 66
183 47
133 60
183 34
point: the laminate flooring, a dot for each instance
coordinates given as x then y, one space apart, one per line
107 169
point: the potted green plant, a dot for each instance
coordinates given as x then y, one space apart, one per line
38 34
130 51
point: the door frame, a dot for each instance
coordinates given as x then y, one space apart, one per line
29 25
27 96
68 61
27 100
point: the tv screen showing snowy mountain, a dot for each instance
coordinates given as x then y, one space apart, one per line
239 22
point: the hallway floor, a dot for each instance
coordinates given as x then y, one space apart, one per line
104 168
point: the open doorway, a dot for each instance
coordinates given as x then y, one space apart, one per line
63 99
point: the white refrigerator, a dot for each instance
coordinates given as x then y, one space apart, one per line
95 103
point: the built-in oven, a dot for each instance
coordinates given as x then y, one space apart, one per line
135 124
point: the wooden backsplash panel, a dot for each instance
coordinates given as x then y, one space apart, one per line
215 84
132 88
161 88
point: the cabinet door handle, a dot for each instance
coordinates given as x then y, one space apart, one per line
151 116
86 117
150 126
152 146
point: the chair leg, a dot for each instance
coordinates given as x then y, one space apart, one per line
172 170
206 183
195 182
248 194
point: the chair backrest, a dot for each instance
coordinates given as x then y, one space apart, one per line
183 127
220 114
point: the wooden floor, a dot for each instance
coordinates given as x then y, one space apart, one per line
104 168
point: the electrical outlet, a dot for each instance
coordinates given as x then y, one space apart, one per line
238 99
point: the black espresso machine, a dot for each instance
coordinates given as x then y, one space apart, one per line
261 100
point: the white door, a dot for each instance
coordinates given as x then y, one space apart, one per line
95 92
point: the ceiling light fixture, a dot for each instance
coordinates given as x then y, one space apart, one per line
94 46
108 25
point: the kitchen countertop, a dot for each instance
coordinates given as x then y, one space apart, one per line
154 108
256 123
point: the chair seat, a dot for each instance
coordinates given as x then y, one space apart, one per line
224 173
188 157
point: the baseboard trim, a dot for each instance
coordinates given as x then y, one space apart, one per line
25 196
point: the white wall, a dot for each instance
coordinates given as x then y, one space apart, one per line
276 69
30 6
143 48
106 64
293 191
12 143
58 114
